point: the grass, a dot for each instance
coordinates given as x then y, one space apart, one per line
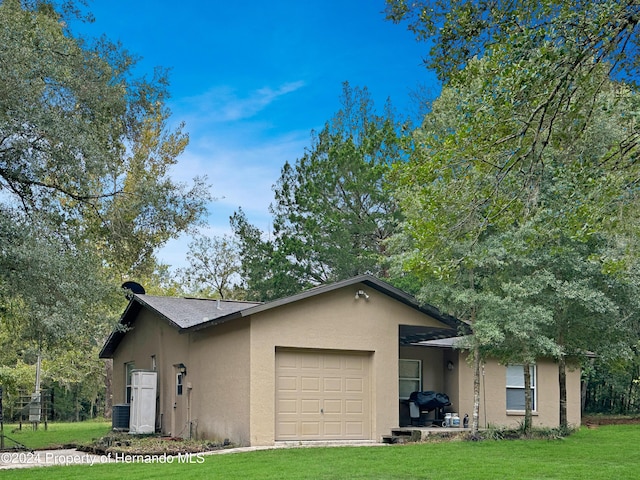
602 453
57 434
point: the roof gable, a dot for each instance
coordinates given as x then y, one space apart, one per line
192 314
181 313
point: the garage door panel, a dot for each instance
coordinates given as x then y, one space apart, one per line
310 384
310 406
310 429
286 361
331 397
354 385
287 406
332 406
288 383
333 429
332 384
332 362
353 429
354 406
309 361
355 363
289 429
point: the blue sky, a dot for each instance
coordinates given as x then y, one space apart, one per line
252 79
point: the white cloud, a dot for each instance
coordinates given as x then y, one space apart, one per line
224 104
240 175
241 152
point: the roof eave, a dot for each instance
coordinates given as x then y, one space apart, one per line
212 322
126 320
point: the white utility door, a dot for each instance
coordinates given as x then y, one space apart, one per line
142 419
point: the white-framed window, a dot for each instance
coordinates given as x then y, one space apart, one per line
179 385
128 368
409 373
515 388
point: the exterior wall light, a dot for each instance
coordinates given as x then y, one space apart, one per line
362 293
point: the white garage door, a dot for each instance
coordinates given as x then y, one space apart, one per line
322 395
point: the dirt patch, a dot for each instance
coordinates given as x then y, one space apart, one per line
590 420
119 443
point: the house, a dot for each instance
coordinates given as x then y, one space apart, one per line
336 362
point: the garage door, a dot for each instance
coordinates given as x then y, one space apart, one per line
322 395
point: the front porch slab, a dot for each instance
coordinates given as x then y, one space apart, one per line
419 434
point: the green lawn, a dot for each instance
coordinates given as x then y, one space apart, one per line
57 433
603 453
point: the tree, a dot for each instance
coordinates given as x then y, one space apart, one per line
84 155
150 207
541 56
582 33
332 214
214 265
84 144
266 271
86 196
524 253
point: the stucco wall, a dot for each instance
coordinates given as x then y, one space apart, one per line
493 408
229 389
433 365
219 360
334 320
152 336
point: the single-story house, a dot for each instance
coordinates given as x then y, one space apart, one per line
336 362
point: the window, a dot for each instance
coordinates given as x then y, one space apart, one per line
178 383
410 377
128 368
515 387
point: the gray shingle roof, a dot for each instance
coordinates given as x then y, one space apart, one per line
191 314
182 313
188 312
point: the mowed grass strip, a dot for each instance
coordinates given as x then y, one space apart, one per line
602 453
57 434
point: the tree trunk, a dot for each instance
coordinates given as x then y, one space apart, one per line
108 395
584 395
76 397
528 416
475 419
562 379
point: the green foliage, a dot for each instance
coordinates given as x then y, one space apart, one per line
538 72
214 265
521 216
265 270
613 381
85 193
579 33
332 212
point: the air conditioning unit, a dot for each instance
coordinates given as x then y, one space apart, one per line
120 417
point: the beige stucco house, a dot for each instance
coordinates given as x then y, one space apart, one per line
336 362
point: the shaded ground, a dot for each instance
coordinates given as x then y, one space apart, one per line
590 420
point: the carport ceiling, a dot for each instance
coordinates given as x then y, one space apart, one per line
411 334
